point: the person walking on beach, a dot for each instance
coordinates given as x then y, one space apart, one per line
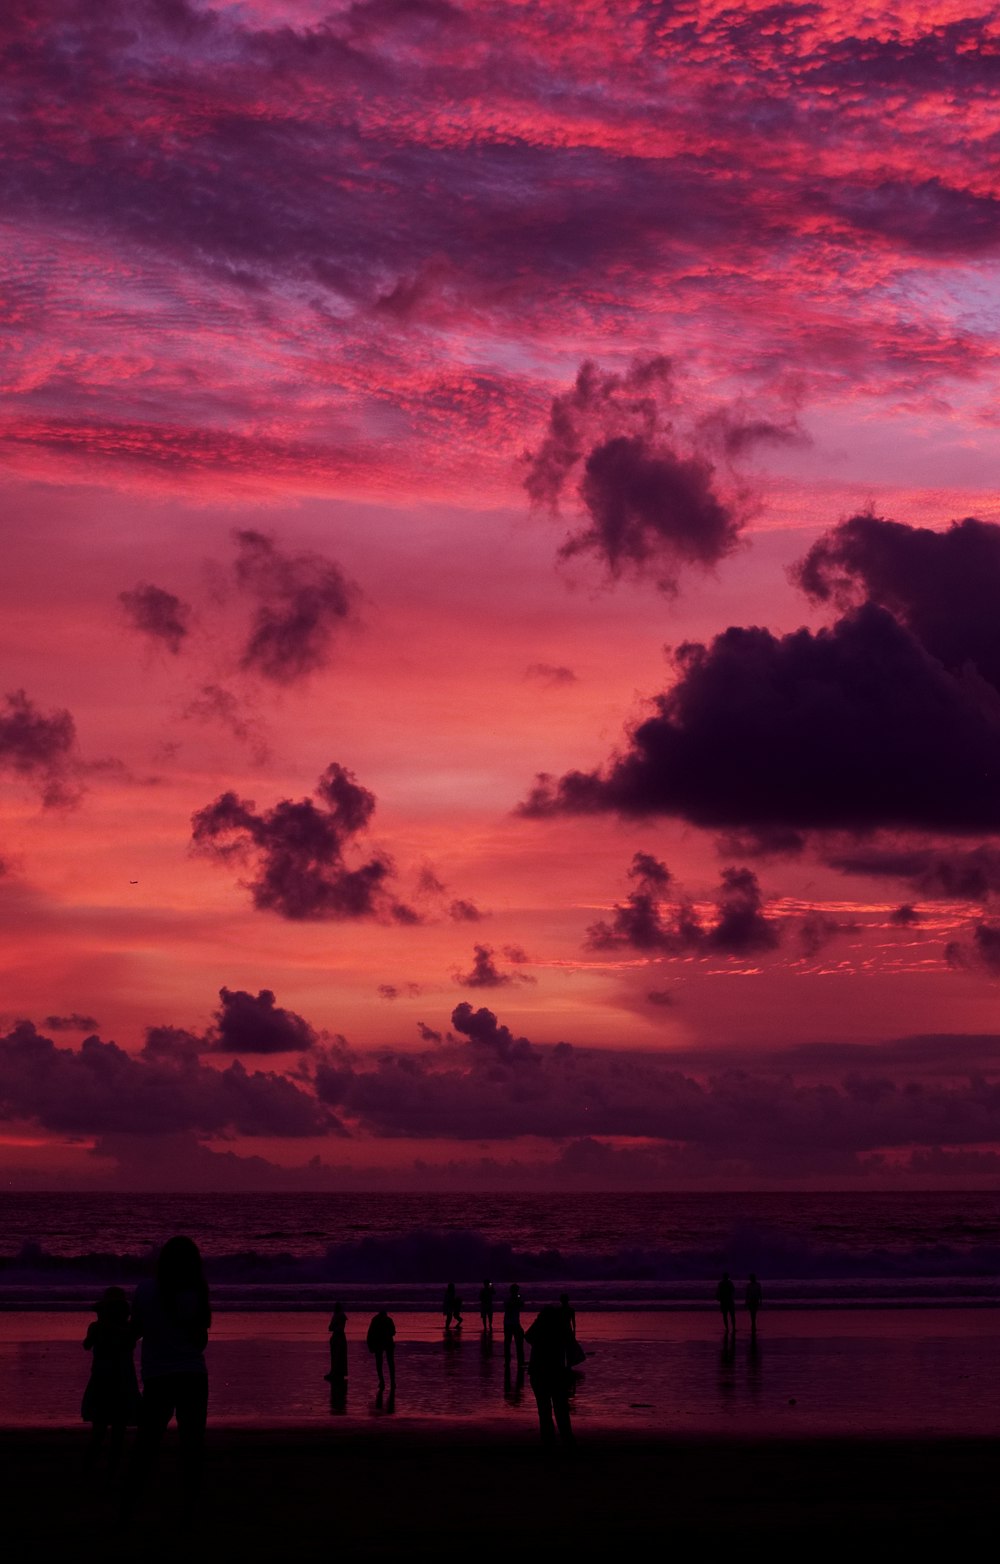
338 1345
726 1296
548 1370
752 1298
513 1331
381 1342
451 1308
172 1315
111 1399
486 1295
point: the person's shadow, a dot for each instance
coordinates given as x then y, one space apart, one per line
338 1397
385 1403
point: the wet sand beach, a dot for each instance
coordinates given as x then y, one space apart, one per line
416 1490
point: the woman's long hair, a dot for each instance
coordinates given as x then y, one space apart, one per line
179 1270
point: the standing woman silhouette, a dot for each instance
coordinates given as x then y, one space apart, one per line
171 1314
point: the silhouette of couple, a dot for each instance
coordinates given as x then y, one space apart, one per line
725 1295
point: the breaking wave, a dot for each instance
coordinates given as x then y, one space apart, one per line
410 1271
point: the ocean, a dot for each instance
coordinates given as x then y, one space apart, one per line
879 1310
613 1251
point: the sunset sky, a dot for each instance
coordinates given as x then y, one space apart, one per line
501 606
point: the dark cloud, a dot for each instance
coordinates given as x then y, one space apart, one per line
550 673
302 600
817 930
399 990
296 850
965 874
650 505
855 727
157 614
982 953
462 911
485 973
40 747
70 1023
928 216
662 997
497 1085
944 586
216 705
428 1033
248 1025
483 1030
101 1089
767 841
904 916
639 923
517 954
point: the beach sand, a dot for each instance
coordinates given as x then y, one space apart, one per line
408 1489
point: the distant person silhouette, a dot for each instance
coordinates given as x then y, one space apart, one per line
513 1331
172 1315
486 1295
726 1296
451 1308
569 1313
338 1344
381 1343
111 1399
549 1339
753 1298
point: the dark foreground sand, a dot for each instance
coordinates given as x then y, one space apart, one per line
405 1490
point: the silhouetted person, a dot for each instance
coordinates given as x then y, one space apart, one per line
111 1399
338 1345
752 1298
726 1295
569 1313
381 1342
451 1308
548 1370
513 1331
486 1295
172 1315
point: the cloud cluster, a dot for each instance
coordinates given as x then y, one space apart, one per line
498 1085
485 973
957 873
40 747
649 494
296 850
642 923
812 1109
158 614
302 600
886 720
100 1089
70 1023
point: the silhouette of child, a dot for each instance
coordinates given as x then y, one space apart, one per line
338 1344
752 1298
726 1296
451 1308
111 1399
381 1342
